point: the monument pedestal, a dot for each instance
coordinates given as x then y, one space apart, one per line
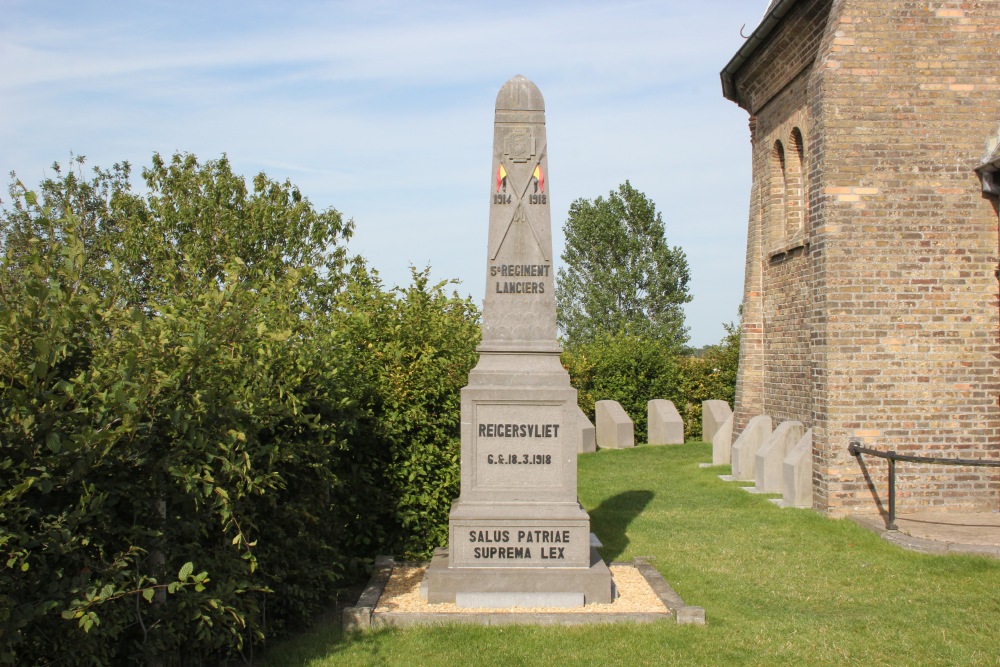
526 587
517 534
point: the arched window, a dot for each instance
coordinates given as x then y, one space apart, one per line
795 187
777 190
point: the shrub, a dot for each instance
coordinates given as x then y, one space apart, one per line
710 375
625 368
417 346
634 370
207 419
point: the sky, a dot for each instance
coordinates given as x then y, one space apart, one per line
383 110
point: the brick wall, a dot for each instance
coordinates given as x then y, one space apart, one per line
883 324
775 359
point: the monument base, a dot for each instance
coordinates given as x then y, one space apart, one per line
522 587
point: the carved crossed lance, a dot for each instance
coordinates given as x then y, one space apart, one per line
519 215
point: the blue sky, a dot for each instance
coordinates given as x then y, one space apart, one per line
384 111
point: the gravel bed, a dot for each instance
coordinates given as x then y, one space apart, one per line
402 594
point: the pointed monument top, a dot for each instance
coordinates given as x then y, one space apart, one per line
520 94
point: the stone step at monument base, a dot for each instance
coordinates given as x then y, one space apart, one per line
522 587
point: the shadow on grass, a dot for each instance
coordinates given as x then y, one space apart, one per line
322 643
610 520
320 638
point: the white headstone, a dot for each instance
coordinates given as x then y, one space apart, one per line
797 471
722 443
713 415
771 455
587 433
664 424
615 429
744 452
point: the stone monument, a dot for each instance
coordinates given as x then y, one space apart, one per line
518 536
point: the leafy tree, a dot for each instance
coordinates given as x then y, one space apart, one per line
157 389
209 415
620 276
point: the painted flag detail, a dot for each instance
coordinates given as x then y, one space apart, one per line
539 179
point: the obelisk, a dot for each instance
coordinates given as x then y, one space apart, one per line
517 533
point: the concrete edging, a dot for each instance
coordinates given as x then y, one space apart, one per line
359 617
876 524
363 616
683 614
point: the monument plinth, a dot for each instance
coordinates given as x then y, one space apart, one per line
518 535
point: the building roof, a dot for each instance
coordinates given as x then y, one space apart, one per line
776 10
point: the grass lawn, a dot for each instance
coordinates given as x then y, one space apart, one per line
779 587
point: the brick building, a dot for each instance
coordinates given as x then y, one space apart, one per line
870 306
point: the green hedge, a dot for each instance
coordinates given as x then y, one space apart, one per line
710 375
635 369
626 368
210 417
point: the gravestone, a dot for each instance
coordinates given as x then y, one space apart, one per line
797 471
769 474
587 433
664 424
615 429
744 451
722 443
713 415
517 534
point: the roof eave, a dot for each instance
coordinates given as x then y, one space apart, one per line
756 38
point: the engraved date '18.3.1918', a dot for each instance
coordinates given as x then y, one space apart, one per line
519 459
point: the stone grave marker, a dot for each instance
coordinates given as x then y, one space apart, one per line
743 455
586 432
713 415
797 490
518 536
664 424
768 472
615 429
722 442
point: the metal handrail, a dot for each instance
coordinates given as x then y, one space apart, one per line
855 449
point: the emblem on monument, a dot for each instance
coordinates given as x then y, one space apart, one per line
519 145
